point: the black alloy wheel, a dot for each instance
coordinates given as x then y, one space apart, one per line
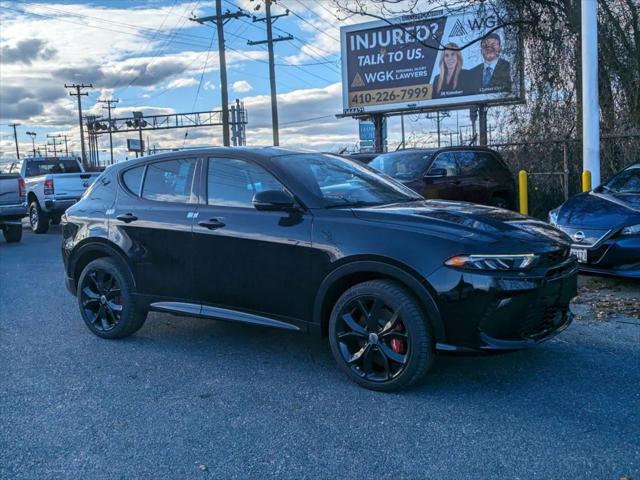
380 336
106 300
101 300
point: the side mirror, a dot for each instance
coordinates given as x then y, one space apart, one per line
273 201
436 173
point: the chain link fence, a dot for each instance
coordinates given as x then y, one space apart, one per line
555 166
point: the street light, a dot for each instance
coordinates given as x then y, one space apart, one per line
33 141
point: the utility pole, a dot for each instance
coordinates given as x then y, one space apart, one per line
66 146
15 137
270 19
482 114
109 107
78 94
219 19
53 138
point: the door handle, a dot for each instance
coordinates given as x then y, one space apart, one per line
127 218
212 223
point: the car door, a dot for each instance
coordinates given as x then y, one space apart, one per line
152 219
258 261
441 179
474 176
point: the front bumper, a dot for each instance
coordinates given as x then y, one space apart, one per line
502 311
617 256
59 205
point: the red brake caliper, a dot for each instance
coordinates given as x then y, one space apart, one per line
397 346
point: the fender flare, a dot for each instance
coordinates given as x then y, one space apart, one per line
417 287
98 244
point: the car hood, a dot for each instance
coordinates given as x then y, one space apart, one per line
600 210
466 221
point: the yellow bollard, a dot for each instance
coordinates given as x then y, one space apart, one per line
586 181
524 193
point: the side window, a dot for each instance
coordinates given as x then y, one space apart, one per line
476 164
233 182
169 181
445 161
132 179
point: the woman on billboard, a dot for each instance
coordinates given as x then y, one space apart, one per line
452 79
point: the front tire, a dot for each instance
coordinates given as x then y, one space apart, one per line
12 233
106 300
38 219
380 336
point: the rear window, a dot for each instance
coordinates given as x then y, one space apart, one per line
169 181
132 179
401 166
44 167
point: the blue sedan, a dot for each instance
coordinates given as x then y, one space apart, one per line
604 225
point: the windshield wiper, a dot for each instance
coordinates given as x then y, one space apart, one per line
359 203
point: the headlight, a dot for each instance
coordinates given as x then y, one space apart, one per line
631 230
493 262
553 216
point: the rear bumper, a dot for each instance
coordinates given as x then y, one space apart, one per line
59 205
498 312
12 212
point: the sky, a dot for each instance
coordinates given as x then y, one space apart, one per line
152 58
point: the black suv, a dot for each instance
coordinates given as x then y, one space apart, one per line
315 243
471 174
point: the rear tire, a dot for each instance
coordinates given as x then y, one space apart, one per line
38 219
12 233
380 336
106 300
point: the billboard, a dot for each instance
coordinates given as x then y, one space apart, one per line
421 62
367 134
135 145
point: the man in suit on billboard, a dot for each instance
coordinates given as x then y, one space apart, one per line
493 75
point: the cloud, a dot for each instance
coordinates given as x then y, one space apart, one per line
26 51
182 83
241 86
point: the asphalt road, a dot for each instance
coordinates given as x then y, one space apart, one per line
194 399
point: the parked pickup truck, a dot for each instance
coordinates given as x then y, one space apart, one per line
13 206
53 184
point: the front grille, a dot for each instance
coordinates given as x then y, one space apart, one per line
555 257
541 319
586 237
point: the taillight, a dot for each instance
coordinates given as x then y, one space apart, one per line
48 186
22 189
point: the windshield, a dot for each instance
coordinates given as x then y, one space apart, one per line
627 181
402 166
43 167
339 182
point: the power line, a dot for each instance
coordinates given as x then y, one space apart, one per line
310 24
204 68
269 19
220 19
